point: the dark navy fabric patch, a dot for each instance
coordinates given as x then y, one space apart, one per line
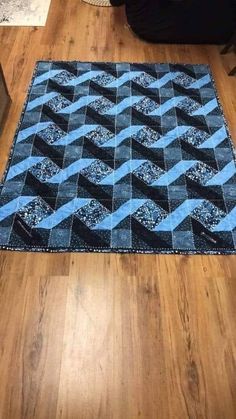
121 158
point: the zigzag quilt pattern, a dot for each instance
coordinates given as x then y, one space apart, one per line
120 157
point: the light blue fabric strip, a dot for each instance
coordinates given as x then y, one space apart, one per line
174 173
124 79
123 135
34 129
112 220
223 176
62 213
174 219
206 109
71 170
75 135
83 101
122 171
169 104
228 223
46 76
170 137
215 139
200 83
84 77
14 206
24 165
164 80
41 100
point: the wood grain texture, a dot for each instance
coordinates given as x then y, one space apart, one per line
87 336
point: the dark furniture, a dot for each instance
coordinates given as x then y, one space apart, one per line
230 44
5 99
181 21
232 72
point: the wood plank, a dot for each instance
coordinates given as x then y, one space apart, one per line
32 312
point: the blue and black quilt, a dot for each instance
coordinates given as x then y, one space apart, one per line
120 157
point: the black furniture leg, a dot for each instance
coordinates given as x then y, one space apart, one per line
230 44
226 48
233 72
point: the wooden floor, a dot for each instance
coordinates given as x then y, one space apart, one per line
86 336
